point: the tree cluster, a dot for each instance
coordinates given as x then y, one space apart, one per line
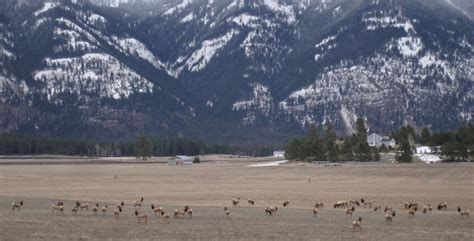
325 147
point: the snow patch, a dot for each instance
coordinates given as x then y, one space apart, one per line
269 164
46 7
409 46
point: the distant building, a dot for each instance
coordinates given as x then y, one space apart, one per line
423 150
180 160
376 140
279 153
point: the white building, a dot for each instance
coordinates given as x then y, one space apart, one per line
375 140
423 150
279 153
180 160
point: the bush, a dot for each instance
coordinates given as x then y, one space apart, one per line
196 160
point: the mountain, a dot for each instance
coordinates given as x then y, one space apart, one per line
234 71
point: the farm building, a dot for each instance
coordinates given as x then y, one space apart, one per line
279 153
423 150
376 140
180 160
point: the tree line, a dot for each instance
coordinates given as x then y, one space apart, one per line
452 145
16 144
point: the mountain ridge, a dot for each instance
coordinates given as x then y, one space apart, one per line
271 67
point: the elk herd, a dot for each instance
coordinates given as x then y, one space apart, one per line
350 206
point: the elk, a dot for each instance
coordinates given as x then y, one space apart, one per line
17 205
251 202
226 211
412 211
427 208
366 203
178 213
74 210
341 204
138 203
235 202
59 207
117 212
95 209
319 204
463 212
357 224
443 206
188 211
83 206
104 210
286 203
271 210
350 211
156 209
388 208
389 216
376 208
141 216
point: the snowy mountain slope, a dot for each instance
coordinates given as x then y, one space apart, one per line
263 65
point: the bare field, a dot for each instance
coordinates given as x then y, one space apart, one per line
208 187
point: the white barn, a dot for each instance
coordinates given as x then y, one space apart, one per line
279 153
180 160
375 140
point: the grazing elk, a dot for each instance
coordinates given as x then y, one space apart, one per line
319 204
270 211
251 202
74 210
178 213
83 206
286 203
226 211
95 209
17 205
117 212
235 202
156 209
104 210
463 212
389 216
357 224
188 211
412 211
350 211
315 212
341 204
443 206
427 208
366 203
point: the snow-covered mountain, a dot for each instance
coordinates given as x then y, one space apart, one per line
259 68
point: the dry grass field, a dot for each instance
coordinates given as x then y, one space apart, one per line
210 186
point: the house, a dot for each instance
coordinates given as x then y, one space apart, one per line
180 160
279 153
423 150
376 140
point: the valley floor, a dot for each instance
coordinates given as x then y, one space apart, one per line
210 186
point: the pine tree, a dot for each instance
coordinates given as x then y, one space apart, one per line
425 136
313 145
331 149
362 148
405 151
144 148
